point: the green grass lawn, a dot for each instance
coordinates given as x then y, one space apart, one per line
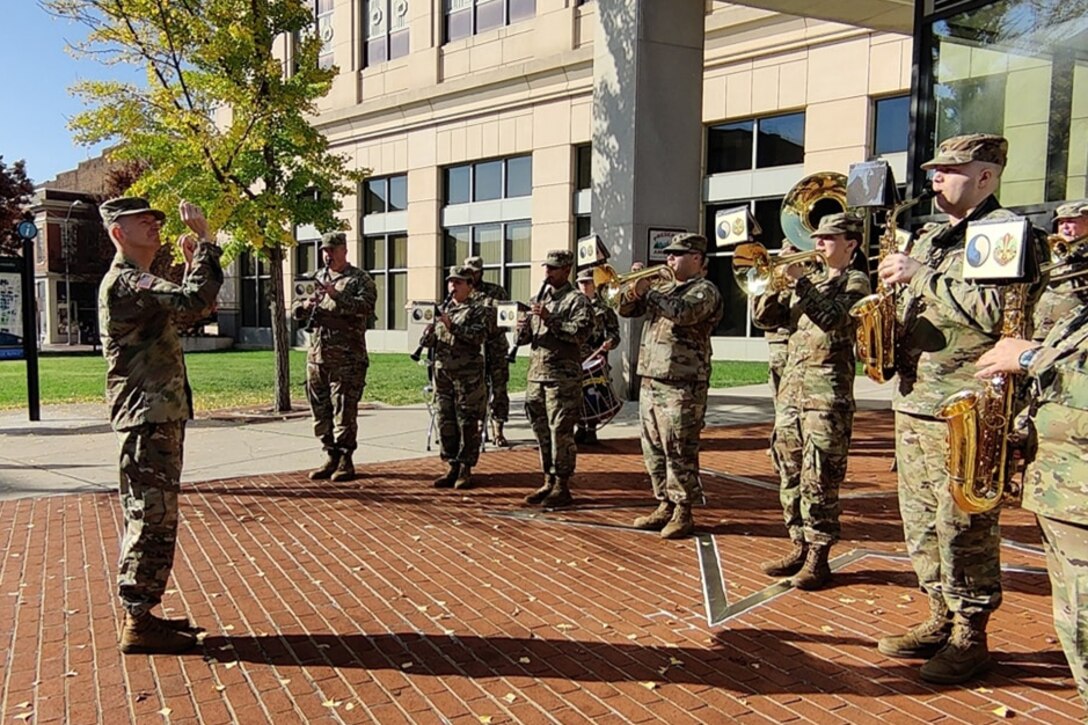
237 378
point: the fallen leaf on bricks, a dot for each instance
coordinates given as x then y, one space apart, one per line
649 685
23 705
141 696
485 719
606 625
349 706
407 665
906 597
827 628
564 627
983 690
662 670
416 538
532 598
676 662
165 712
285 680
621 568
1002 711
847 600
516 612
510 697
24 715
70 673
331 704
524 660
421 607
228 628
632 636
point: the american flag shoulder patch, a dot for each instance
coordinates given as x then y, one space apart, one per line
146 281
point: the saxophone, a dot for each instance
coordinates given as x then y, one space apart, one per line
979 464
877 330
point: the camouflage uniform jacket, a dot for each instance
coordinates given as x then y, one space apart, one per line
676 338
948 323
458 348
557 343
1058 300
820 361
1056 481
137 314
606 326
491 294
339 329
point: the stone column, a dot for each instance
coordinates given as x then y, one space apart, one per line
647 135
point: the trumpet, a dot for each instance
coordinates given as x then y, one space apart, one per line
1064 250
615 289
757 272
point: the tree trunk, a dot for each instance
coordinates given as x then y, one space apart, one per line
281 342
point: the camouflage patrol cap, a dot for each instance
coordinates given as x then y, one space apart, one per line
586 275
841 223
559 258
475 263
686 242
461 271
333 239
114 209
1072 209
957 150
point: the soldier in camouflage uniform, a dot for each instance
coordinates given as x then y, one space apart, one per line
947 324
674 362
558 323
1061 298
457 340
815 404
336 362
497 368
150 401
605 337
1056 480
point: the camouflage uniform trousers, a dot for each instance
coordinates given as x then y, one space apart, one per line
150 468
955 555
672 414
462 400
553 408
498 377
1067 563
810 453
334 392
776 364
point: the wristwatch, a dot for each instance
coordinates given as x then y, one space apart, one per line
1027 357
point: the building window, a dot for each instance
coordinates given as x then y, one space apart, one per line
891 125
489 180
386 34
756 143
384 195
256 284
468 17
506 248
583 167
385 257
583 226
307 257
737 321
323 18
1018 68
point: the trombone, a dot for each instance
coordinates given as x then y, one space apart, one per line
1064 251
757 272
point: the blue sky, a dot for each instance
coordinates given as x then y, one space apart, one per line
37 72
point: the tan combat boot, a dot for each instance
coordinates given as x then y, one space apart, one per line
464 478
179 624
541 493
560 494
681 524
815 574
145 634
451 476
789 564
966 654
332 462
345 471
497 436
655 521
924 640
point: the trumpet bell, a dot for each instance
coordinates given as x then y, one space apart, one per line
810 200
614 288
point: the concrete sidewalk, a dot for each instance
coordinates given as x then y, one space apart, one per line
73 449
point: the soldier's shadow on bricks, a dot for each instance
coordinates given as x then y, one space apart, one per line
765 661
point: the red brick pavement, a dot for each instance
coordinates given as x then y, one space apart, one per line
386 601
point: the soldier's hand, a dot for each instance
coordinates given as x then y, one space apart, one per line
187 244
640 287
445 320
898 268
607 345
1004 357
540 311
193 217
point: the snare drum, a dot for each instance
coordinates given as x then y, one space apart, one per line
599 403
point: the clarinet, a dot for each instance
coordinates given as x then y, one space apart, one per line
319 293
415 356
512 356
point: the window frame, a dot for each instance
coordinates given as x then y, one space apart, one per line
756 121
473 17
505 264
504 180
386 35
387 272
